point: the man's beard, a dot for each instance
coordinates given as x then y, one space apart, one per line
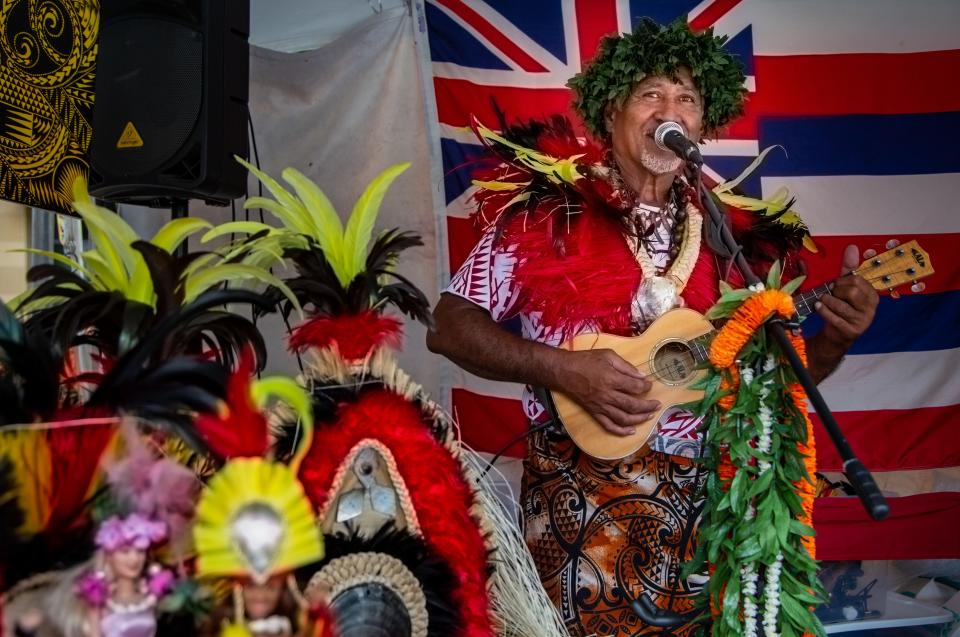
657 164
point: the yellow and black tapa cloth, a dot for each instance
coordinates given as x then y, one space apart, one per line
48 51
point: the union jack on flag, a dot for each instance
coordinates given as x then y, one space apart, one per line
862 97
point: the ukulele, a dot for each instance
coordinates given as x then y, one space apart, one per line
672 350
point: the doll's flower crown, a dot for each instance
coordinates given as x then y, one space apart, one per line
135 531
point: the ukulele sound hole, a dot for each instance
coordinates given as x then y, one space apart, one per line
673 363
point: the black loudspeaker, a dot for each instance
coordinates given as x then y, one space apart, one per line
170 108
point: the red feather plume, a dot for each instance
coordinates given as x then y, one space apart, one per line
440 496
354 335
239 430
591 281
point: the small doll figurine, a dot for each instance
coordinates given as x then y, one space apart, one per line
121 593
268 608
254 525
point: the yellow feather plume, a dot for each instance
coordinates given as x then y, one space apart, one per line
557 170
771 205
311 214
248 481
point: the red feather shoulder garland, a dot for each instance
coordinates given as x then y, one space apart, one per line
557 204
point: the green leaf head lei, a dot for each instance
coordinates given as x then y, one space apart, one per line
623 61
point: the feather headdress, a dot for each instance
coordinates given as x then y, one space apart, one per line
253 519
346 277
112 295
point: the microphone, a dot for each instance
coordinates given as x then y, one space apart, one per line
669 136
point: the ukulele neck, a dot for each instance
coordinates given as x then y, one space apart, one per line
805 302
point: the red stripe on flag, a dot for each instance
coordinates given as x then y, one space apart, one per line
880 437
856 83
894 439
462 236
458 99
488 423
595 19
825 264
848 84
708 17
919 527
744 127
493 35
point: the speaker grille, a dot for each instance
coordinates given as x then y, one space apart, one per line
164 109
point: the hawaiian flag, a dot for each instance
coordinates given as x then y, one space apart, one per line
864 99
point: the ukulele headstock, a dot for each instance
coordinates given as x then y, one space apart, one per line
902 263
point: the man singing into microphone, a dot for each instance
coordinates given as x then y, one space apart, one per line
606 237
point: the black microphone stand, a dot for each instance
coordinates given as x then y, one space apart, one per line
859 476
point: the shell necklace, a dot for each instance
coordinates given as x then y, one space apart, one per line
659 293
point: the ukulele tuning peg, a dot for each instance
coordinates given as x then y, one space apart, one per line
918 287
869 253
892 243
894 294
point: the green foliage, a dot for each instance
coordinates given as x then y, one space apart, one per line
754 518
651 49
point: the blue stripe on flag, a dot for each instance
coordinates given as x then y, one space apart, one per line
449 42
861 145
914 323
663 11
458 164
457 167
741 45
541 20
730 166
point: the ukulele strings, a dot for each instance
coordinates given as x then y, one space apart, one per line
656 373
649 370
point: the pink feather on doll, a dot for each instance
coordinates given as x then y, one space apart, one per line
156 487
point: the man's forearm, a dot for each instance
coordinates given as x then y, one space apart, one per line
823 356
470 338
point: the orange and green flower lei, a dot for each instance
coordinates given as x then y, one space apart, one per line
756 536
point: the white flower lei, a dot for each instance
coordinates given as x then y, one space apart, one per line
748 587
657 294
765 416
771 598
748 573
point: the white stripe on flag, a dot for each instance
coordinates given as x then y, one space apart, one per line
730 147
477 385
505 477
901 380
904 483
718 147
877 204
459 134
463 206
845 26
863 382
501 77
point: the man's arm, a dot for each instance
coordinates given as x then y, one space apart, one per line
847 313
601 381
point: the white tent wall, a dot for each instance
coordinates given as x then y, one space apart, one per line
341 114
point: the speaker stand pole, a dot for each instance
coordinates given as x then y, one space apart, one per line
179 209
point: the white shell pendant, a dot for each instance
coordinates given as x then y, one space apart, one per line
257 531
656 296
